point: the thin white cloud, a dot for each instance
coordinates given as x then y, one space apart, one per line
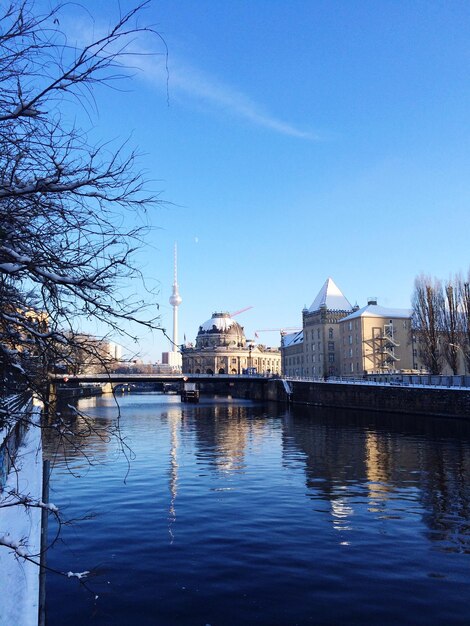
180 80
183 80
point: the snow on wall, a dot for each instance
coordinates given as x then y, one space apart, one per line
19 579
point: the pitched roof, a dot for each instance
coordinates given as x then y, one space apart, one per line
331 297
292 339
374 310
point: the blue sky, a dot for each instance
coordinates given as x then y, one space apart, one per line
299 140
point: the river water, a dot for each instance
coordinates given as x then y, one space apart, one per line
231 513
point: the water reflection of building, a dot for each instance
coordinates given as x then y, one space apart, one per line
347 455
378 470
223 437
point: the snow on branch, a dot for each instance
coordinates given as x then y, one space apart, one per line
66 247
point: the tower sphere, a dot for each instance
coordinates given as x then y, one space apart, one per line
175 299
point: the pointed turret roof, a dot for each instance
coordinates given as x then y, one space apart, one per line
331 297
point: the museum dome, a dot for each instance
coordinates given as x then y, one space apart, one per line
220 330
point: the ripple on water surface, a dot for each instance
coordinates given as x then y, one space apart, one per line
236 513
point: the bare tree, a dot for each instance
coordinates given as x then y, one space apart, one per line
428 306
66 254
451 325
65 251
464 297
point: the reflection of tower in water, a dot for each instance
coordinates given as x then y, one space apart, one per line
174 420
341 512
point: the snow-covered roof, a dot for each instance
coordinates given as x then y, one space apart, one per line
292 339
374 310
331 297
221 321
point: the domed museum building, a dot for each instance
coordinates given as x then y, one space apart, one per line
222 348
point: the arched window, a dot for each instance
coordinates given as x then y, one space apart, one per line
198 371
209 371
221 370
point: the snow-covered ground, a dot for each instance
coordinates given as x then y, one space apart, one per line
20 527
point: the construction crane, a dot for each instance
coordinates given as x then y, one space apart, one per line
283 331
247 308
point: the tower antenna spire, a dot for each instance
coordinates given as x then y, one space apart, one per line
175 301
175 264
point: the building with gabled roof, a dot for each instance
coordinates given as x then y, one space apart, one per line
377 339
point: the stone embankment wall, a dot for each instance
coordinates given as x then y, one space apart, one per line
399 398
85 391
440 402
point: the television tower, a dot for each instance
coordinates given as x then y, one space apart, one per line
175 301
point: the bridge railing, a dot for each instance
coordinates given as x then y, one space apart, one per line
405 380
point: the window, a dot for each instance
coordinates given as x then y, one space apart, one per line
331 358
331 346
350 340
330 333
350 352
350 326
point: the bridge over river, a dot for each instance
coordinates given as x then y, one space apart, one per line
397 395
149 378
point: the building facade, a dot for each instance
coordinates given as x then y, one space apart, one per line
222 348
316 351
292 353
376 340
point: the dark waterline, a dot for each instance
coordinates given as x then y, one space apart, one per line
234 513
